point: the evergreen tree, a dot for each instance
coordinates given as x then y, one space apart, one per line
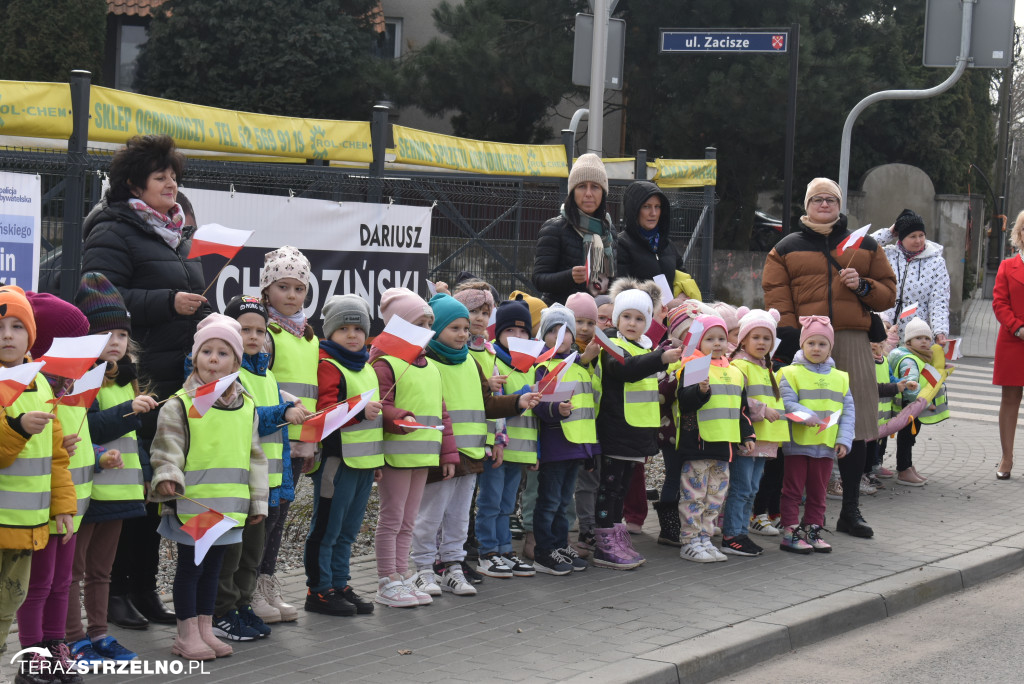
43 40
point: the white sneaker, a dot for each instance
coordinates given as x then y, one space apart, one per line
422 597
426 582
866 488
712 549
493 565
453 580
394 594
520 568
694 551
762 524
271 590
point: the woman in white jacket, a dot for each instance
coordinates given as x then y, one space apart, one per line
921 274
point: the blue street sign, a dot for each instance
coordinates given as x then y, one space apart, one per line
723 41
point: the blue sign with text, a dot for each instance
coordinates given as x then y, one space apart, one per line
723 41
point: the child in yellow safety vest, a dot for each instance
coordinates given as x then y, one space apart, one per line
712 429
753 358
203 462
35 485
908 362
887 389
814 392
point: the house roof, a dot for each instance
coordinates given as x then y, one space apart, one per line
132 8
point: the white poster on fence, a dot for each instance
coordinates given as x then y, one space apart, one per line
353 247
20 226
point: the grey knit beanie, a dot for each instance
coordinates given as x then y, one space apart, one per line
554 316
347 309
589 167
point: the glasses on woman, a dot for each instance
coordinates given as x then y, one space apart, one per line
827 201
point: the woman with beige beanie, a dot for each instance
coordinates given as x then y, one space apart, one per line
581 229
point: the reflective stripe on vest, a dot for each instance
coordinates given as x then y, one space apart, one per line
263 389
485 360
640 399
579 426
464 402
759 388
362 444
938 409
25 498
119 484
719 419
522 429
805 383
883 376
420 393
82 461
294 365
217 463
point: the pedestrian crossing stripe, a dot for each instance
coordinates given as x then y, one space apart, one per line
971 394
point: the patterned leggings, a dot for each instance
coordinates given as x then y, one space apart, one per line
703 486
611 490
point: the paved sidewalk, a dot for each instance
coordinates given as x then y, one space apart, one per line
979 327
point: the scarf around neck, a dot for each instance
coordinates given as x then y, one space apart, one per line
353 360
907 253
448 354
819 228
166 226
295 324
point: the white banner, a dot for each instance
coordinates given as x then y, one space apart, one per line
20 225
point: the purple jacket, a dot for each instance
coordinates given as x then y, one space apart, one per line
553 446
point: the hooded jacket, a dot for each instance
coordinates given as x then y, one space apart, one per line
924 279
634 256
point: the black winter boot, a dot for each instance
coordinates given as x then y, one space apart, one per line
852 522
668 518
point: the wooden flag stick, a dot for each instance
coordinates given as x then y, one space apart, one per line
214 279
395 383
325 409
197 503
162 401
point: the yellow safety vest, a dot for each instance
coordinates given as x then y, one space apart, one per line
485 360
82 461
217 462
936 411
522 429
640 399
759 387
465 405
119 484
883 376
294 366
25 484
362 444
823 394
718 420
420 393
580 426
263 388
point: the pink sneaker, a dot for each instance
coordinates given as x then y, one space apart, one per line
884 473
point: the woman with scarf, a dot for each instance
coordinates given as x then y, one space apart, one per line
580 236
805 276
644 249
921 275
137 237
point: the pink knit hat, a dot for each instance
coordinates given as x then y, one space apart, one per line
404 303
582 305
757 318
728 314
219 327
473 298
710 322
816 325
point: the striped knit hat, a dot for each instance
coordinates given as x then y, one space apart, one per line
102 304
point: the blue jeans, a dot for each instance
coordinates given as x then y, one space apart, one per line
340 493
556 485
744 479
495 501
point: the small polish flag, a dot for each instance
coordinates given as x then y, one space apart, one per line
832 419
614 350
558 343
656 333
548 383
412 424
491 322
206 528
85 390
953 351
205 396
214 238
402 339
692 338
71 357
524 353
853 242
909 311
931 375
800 416
586 265
318 427
15 379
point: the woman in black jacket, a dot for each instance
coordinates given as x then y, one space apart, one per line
644 249
581 228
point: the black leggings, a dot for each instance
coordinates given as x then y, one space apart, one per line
673 471
195 586
905 441
611 491
137 559
769 494
851 470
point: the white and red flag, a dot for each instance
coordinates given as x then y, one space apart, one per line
801 416
205 396
206 528
524 353
554 348
491 322
833 419
71 357
931 375
853 242
214 238
320 426
550 381
413 424
15 379
614 350
908 312
952 348
85 390
692 338
402 339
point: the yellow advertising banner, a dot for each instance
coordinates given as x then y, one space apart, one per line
35 110
685 173
477 156
117 115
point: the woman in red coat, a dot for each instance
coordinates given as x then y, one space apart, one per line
1008 304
